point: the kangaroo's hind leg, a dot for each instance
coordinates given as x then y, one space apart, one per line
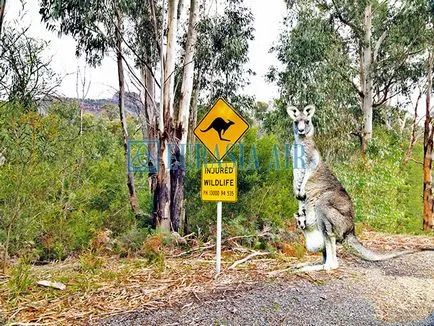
221 132
314 242
331 260
326 215
329 217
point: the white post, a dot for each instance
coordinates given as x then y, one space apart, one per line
219 237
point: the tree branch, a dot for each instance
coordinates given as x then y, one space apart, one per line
378 44
140 59
347 79
253 254
154 20
345 21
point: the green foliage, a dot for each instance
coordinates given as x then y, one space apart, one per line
222 53
57 188
131 241
383 190
26 77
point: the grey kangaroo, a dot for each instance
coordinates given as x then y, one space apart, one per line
220 126
326 212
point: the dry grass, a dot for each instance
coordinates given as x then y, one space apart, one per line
101 286
113 285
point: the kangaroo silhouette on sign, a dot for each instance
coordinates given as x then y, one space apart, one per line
220 126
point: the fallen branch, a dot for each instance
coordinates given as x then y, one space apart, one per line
192 250
253 254
259 235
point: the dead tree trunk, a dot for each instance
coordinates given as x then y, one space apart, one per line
119 57
367 83
428 147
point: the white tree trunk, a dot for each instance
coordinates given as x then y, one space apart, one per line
163 188
367 83
169 63
182 123
187 77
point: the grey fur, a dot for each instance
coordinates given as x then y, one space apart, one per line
326 212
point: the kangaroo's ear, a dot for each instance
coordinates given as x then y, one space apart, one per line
292 112
309 111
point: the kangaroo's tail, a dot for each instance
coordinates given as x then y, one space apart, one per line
352 244
206 129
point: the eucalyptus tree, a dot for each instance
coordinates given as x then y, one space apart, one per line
100 27
315 71
222 55
379 46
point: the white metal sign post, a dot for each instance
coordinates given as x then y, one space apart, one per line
219 238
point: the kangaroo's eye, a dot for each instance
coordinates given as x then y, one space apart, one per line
307 122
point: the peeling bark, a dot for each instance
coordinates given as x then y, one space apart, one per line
162 195
177 172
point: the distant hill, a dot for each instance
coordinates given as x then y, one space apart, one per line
133 104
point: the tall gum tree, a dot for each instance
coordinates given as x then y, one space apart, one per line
382 44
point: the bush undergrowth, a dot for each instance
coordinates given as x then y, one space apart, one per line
60 191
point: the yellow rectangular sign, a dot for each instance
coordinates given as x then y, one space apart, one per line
219 182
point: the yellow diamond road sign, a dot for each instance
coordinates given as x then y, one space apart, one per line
219 182
221 128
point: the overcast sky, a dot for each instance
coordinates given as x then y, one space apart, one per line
268 18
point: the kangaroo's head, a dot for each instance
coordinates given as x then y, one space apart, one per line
302 120
301 221
230 123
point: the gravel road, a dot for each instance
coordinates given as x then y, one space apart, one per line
395 292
